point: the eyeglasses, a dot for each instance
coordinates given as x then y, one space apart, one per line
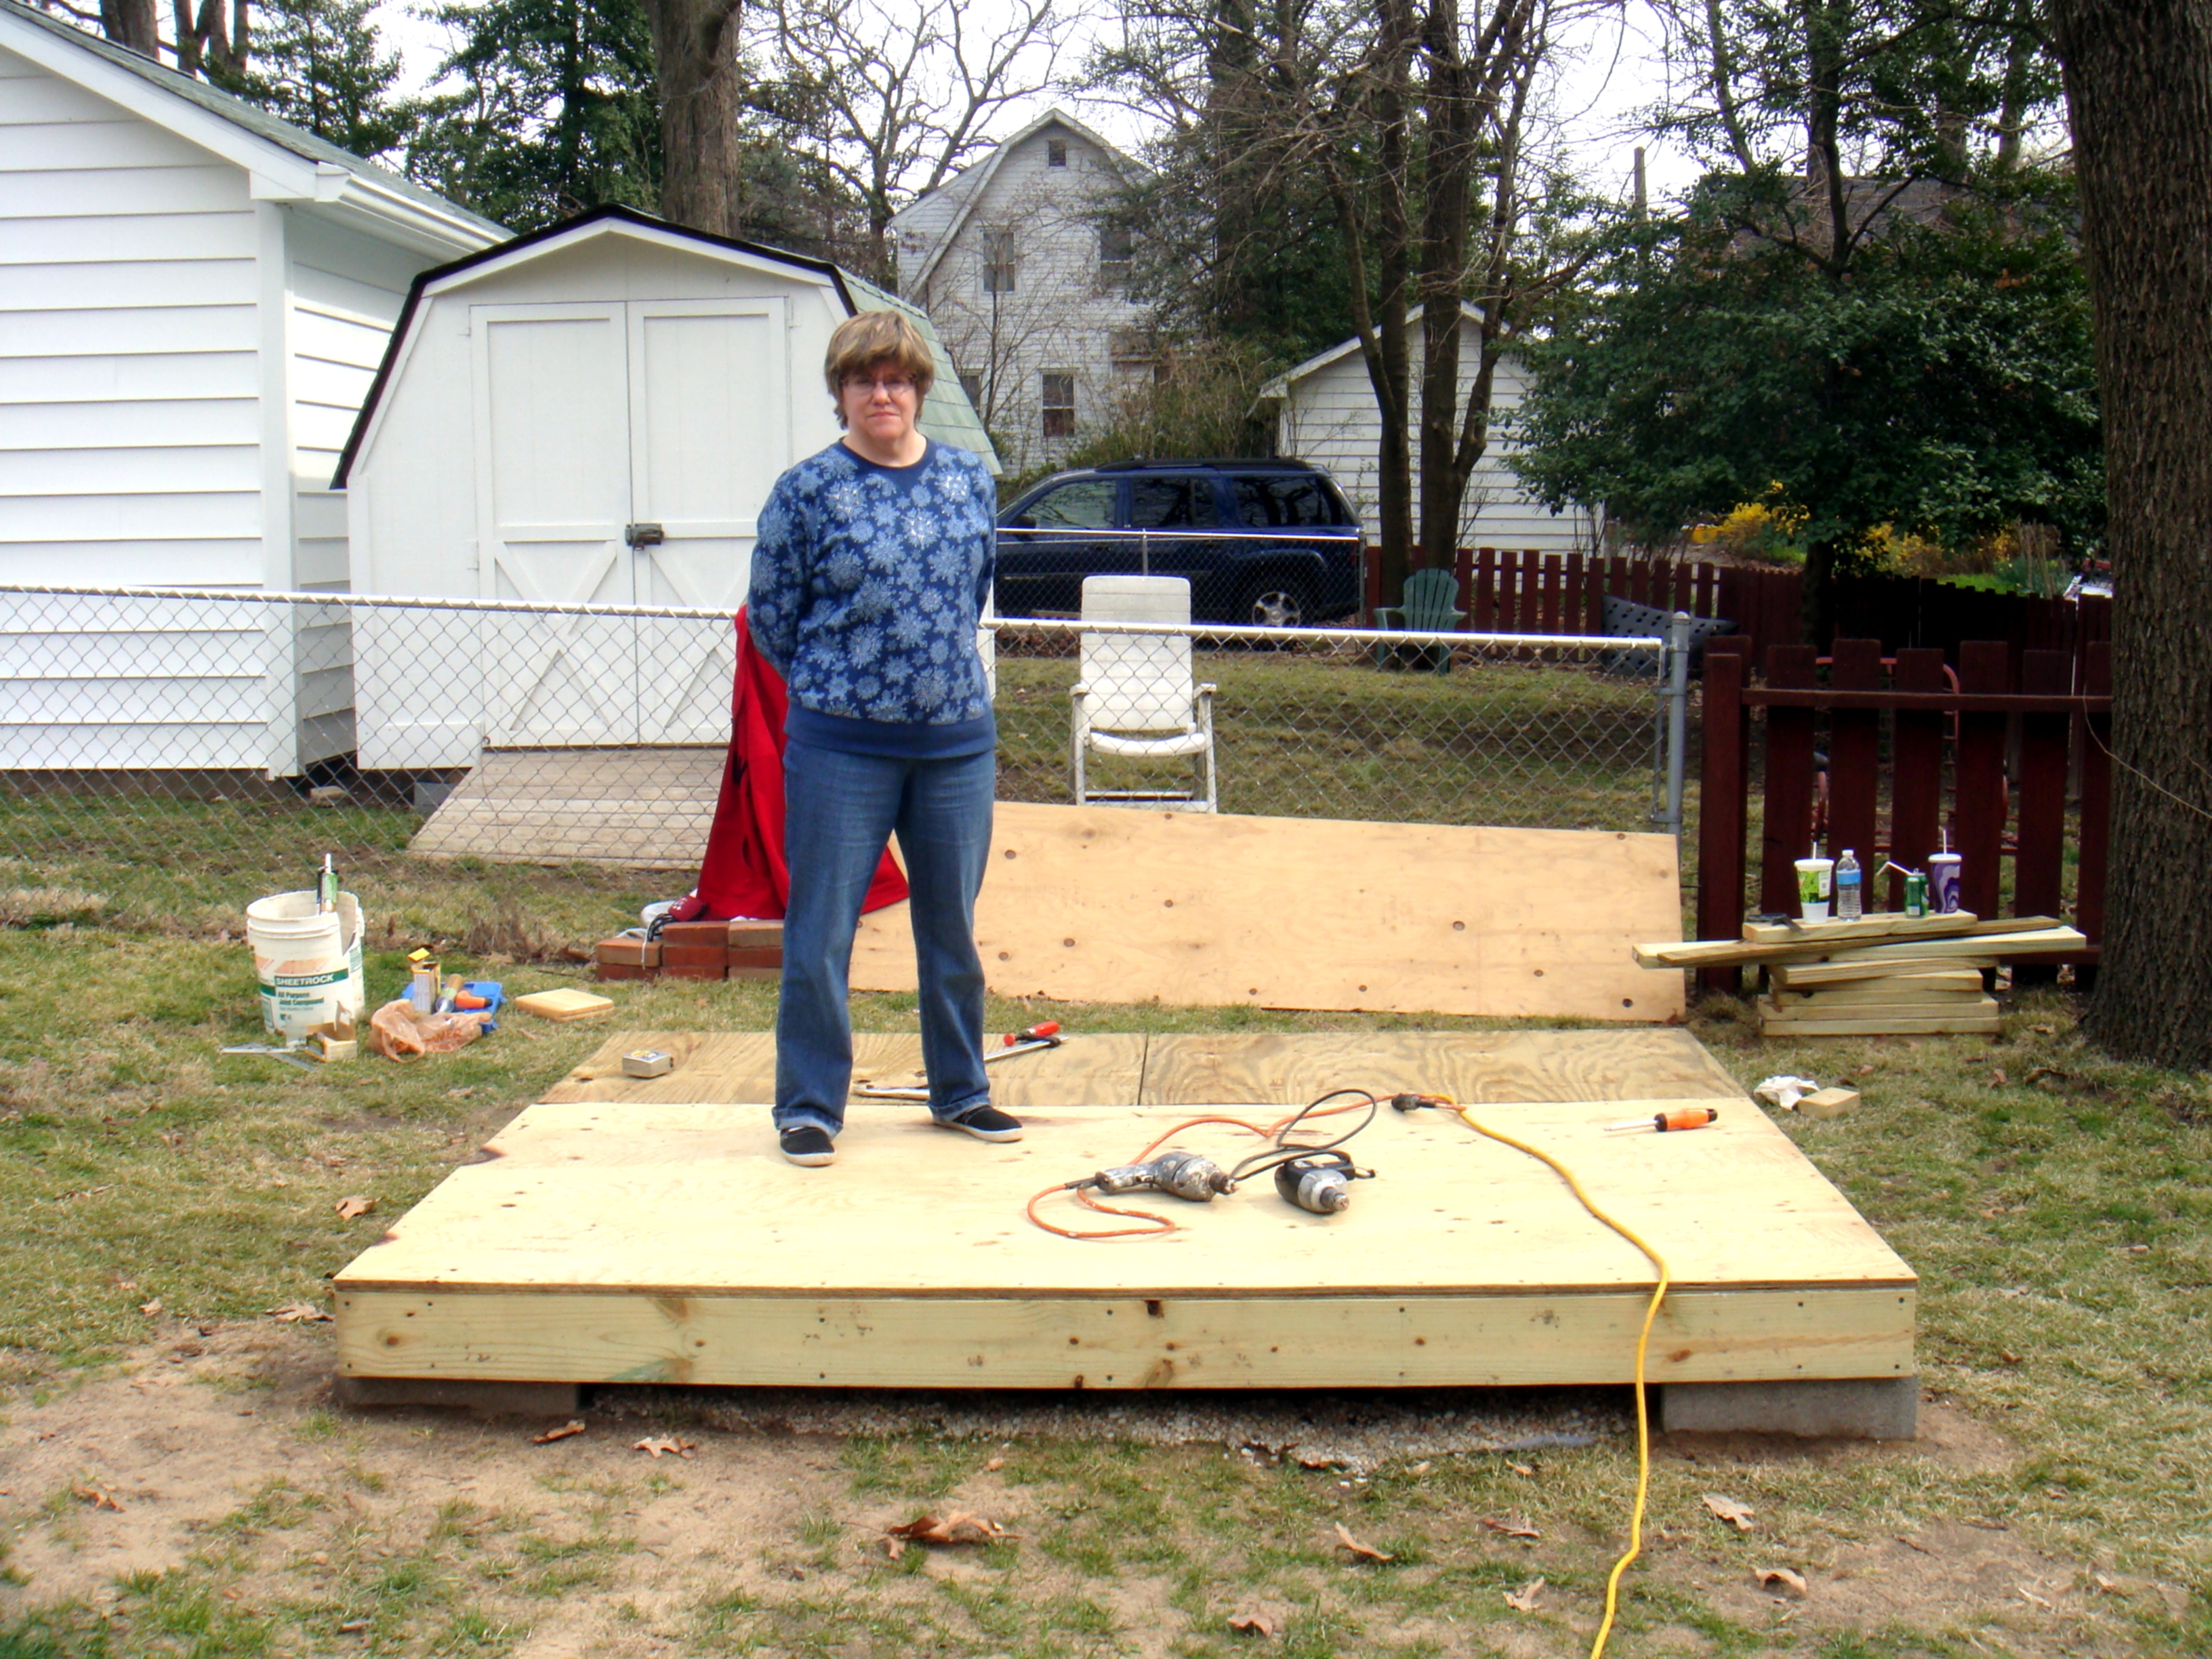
891 386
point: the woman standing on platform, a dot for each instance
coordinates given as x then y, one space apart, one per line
872 567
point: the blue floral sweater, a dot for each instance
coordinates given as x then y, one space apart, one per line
867 582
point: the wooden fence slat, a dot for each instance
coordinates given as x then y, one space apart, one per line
1575 608
1720 811
2038 864
1527 573
1788 833
1855 759
2089 872
1486 589
1916 812
1554 577
1979 820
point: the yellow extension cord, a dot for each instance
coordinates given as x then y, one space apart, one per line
1642 1341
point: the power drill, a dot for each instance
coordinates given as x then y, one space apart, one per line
1186 1174
1320 1181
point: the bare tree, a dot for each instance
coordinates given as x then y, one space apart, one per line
210 43
893 98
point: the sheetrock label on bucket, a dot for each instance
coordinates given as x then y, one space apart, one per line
292 1003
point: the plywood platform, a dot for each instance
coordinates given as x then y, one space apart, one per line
627 1239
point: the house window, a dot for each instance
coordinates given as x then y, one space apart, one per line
1114 252
998 259
1058 402
1055 152
973 386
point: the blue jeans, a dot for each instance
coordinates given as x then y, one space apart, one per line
839 810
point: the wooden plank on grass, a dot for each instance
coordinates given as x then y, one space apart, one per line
2001 936
1885 924
1964 1023
1983 942
1776 1011
1799 975
1945 977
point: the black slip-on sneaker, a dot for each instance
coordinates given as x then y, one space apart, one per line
808 1146
986 1123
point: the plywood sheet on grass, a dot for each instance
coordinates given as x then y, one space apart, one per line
647 809
1104 904
738 1068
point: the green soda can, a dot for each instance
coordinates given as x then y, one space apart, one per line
1916 895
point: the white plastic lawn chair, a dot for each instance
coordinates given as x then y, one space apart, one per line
1134 695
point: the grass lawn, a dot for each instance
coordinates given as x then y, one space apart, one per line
157 1200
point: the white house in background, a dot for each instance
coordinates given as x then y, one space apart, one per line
193 296
1324 411
593 413
1030 290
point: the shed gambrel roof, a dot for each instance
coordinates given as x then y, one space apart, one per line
947 416
294 164
963 190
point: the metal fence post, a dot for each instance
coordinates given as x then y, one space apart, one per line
1677 693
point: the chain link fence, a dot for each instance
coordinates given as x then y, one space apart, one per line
169 754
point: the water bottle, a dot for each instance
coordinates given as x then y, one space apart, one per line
1848 888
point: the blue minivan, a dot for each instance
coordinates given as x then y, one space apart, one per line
1262 542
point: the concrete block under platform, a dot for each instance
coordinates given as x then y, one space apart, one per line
664 1240
1848 1408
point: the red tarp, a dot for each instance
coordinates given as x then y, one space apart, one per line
743 874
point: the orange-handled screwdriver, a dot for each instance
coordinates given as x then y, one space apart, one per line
1034 1034
1687 1117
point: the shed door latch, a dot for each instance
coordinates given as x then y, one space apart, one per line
643 535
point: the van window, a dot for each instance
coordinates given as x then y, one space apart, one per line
1086 504
1282 502
1168 504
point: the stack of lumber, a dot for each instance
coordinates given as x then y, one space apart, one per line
1876 976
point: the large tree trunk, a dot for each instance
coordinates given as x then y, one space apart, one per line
1447 180
694 52
131 23
2139 91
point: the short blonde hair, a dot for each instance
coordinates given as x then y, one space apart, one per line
870 341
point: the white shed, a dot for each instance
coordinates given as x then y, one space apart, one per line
1324 411
193 296
593 413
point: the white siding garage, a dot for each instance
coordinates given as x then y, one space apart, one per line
1324 411
193 299
592 414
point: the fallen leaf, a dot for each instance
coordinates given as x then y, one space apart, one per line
1365 1552
2041 1073
2044 1031
149 1309
2110 1586
1514 1528
1252 1624
98 1496
956 1527
1520 1468
574 1425
2027 1595
297 1313
1780 1581
2008 1356
655 1445
893 1547
1998 1078
353 1207
353 1627
1867 1071
1737 1514
1420 1469
994 1465
1524 1598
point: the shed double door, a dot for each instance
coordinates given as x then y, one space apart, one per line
624 452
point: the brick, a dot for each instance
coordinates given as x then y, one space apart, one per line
682 970
635 952
697 934
624 971
756 936
756 959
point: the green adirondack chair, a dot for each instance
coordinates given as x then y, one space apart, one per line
1428 610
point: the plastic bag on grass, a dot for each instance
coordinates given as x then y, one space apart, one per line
398 1031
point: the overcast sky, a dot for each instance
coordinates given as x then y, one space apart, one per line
1613 72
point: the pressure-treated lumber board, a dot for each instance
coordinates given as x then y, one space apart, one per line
1790 979
643 808
1882 925
1266 1068
1977 944
1868 1024
738 1068
1116 904
1855 1003
1129 1342
1799 975
1776 1011
695 1200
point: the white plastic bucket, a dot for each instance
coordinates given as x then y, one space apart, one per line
306 962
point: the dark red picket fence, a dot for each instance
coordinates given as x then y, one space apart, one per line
2062 708
1523 591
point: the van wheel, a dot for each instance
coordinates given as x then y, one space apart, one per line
1274 603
